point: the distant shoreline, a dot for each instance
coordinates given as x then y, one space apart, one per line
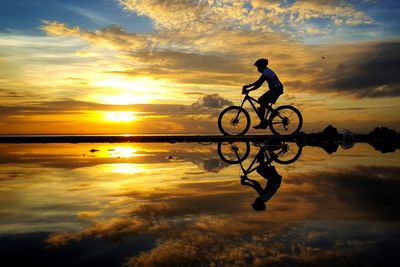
381 138
136 139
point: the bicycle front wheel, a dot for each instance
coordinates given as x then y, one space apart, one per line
233 152
234 120
285 121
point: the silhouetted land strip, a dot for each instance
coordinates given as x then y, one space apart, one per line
137 139
381 138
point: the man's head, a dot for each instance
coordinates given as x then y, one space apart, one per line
261 64
258 204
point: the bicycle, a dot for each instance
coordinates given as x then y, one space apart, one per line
285 120
237 152
282 153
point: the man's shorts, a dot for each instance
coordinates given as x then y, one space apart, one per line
271 96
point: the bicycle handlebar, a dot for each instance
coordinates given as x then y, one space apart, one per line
245 92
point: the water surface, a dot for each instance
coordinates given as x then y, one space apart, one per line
181 205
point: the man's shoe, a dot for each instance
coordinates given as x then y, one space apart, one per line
262 125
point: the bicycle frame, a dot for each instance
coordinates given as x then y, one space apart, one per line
251 169
251 100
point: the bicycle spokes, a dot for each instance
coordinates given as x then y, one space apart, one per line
233 152
286 120
234 121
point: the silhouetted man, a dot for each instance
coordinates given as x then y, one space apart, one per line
273 183
271 96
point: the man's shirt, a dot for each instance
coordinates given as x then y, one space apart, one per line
272 79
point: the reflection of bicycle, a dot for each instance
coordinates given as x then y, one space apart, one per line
284 120
237 152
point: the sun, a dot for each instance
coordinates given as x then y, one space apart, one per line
120 116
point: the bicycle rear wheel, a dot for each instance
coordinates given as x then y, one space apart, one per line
289 153
234 120
285 121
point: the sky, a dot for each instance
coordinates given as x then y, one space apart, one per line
169 66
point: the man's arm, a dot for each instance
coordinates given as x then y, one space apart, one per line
257 84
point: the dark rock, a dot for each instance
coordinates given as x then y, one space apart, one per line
330 132
384 147
383 133
383 139
329 147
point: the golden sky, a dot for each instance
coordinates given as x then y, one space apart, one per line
132 66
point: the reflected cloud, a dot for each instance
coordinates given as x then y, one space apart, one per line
128 168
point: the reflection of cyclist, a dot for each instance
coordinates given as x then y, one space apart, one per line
273 183
275 89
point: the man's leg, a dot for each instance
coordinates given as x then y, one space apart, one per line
261 112
253 184
264 101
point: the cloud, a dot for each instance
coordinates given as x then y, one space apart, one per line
371 74
53 28
88 214
211 101
352 190
289 245
227 202
5 94
195 46
261 16
104 229
211 59
199 116
214 165
364 71
71 106
178 53
112 37
206 222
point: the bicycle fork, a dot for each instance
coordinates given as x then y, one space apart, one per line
244 176
236 119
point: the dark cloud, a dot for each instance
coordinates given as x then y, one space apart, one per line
374 73
211 164
70 106
373 190
228 202
367 71
211 101
370 191
10 94
51 107
191 61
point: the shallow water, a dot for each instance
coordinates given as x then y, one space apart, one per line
181 205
